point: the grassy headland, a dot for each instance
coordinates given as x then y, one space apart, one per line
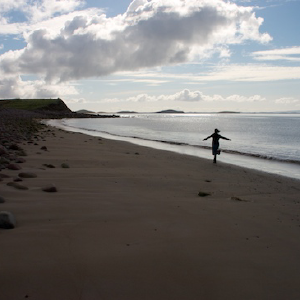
19 121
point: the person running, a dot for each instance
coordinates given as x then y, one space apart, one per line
215 143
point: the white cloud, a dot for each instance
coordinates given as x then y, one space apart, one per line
151 33
7 5
251 73
43 9
53 25
75 100
135 79
38 10
189 96
289 54
49 14
239 98
230 72
287 100
15 87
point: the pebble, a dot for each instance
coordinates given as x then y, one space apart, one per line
14 167
49 166
27 175
50 189
20 160
203 194
3 150
4 160
18 179
4 176
7 220
17 186
14 147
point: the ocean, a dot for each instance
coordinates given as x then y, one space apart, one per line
266 142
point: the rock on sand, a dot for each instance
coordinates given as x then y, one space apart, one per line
7 220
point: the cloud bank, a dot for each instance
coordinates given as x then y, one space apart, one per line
15 87
187 95
289 54
150 34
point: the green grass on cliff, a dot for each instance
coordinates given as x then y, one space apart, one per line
37 105
28 104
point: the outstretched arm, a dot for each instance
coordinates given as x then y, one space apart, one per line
225 138
207 138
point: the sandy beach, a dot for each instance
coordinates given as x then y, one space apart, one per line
132 223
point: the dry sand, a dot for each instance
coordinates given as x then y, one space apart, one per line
127 224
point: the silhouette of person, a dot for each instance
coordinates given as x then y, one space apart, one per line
215 143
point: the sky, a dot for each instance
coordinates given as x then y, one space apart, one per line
152 55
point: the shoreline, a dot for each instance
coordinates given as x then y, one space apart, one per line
127 223
276 167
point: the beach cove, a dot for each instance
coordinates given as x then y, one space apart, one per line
131 222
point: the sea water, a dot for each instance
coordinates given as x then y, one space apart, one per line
267 142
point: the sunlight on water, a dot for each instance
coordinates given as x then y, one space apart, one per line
273 137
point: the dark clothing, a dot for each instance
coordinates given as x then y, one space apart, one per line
215 143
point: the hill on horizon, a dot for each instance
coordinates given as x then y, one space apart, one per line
170 111
36 105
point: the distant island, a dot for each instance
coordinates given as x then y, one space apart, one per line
228 112
85 111
170 111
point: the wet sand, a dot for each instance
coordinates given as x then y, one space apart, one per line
127 222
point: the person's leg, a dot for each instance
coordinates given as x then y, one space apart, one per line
215 148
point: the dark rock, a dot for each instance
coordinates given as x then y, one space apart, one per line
44 148
50 189
27 175
13 167
17 186
203 194
20 160
7 220
4 175
21 152
4 160
14 147
238 199
65 166
12 157
49 166
18 179
2 200
3 150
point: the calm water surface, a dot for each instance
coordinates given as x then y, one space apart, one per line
266 142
